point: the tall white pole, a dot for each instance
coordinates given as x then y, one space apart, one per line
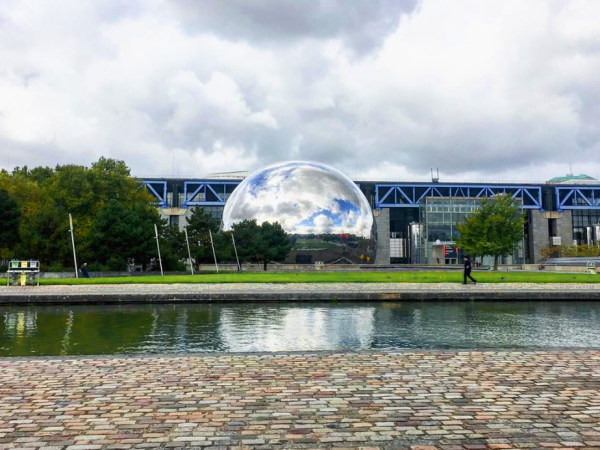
213 249
73 242
236 255
187 241
158 247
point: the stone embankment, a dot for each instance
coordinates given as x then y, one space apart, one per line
132 293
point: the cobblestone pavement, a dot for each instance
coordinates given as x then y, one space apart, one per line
374 400
291 287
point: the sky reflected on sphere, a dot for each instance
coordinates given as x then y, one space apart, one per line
304 197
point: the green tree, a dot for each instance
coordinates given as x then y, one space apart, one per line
198 226
47 196
10 215
495 229
45 234
39 175
173 248
121 231
261 243
275 243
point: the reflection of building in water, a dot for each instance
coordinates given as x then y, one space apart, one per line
299 328
20 323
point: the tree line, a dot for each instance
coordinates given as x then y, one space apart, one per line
114 218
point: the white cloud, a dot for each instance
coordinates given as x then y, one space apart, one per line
478 88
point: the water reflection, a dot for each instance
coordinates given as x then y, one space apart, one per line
127 329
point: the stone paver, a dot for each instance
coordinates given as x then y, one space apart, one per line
372 400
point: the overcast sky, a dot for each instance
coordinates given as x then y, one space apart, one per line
482 89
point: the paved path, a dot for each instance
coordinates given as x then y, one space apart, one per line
296 287
375 400
300 291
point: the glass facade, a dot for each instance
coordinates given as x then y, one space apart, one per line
439 218
400 221
438 223
215 211
584 226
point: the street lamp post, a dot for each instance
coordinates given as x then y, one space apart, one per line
236 255
73 242
213 249
187 241
158 247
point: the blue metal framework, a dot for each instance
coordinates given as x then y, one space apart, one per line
406 195
577 197
153 187
207 193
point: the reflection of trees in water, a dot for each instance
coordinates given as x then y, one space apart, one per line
106 330
176 328
23 331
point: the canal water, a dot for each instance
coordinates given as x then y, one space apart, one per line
268 327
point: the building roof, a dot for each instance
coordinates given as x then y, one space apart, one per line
570 177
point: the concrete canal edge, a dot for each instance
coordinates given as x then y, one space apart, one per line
420 295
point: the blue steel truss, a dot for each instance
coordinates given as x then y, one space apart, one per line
207 193
577 197
153 187
406 195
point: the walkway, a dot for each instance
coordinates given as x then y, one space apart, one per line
299 291
376 400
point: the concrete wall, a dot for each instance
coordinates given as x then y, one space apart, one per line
538 235
565 269
383 237
564 228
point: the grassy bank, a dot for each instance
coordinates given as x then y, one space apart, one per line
339 277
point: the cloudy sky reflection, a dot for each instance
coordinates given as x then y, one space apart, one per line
304 197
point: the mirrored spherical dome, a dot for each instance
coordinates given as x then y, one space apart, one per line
328 217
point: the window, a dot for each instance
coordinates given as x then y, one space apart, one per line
215 211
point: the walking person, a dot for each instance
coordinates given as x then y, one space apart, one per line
467 271
84 271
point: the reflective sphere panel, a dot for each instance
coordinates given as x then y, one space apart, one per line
327 215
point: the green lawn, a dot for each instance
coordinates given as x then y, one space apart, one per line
340 277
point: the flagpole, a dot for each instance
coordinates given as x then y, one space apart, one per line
187 241
73 242
158 247
213 249
236 255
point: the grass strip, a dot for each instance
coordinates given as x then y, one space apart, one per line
337 277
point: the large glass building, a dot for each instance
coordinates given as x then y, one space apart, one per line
417 222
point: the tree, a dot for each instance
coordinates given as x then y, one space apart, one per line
569 251
275 243
247 239
10 215
47 196
45 234
198 226
261 243
121 231
495 229
39 175
173 248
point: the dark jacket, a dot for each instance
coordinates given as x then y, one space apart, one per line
468 265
